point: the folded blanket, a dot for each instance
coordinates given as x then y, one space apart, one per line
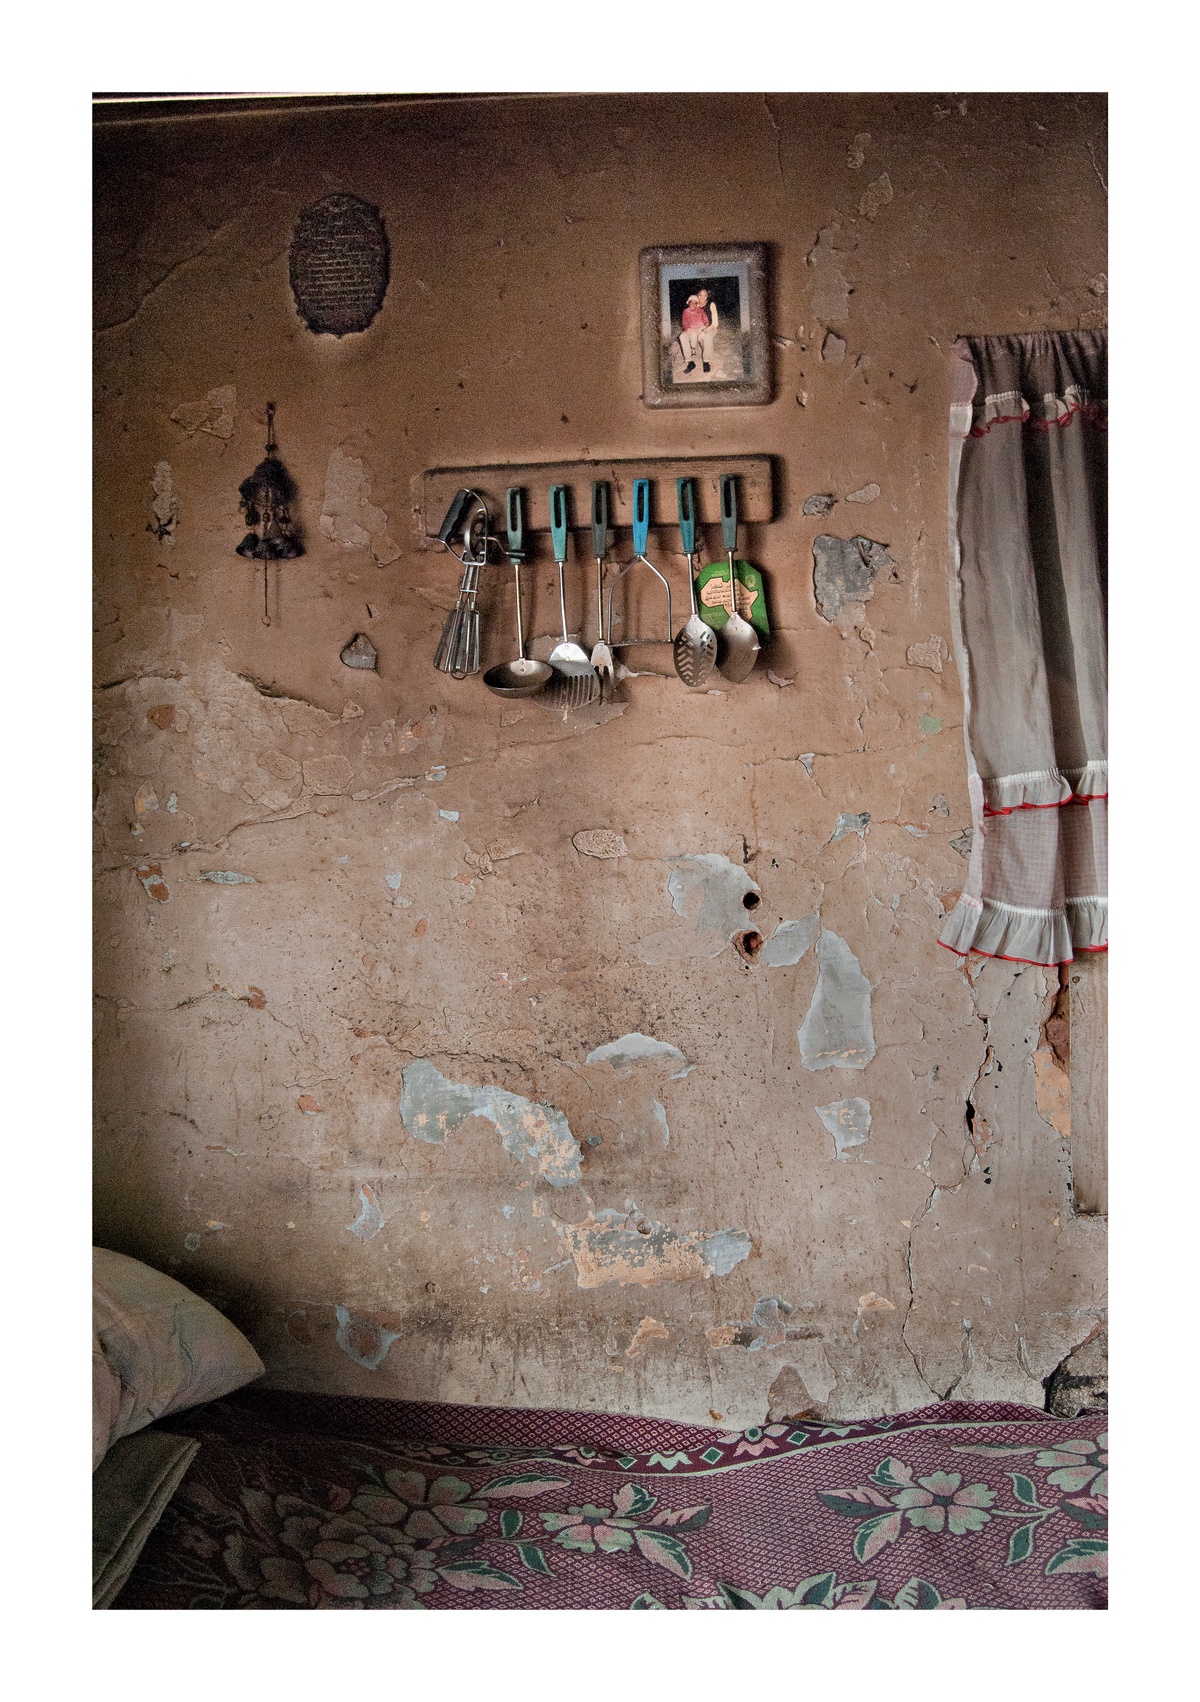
130 1491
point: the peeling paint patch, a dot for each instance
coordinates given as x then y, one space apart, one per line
366 1343
856 151
788 1398
348 516
848 1121
151 877
930 724
164 510
145 800
192 1242
599 842
930 653
807 758
864 494
327 775
624 1247
833 349
1052 1091
820 504
432 1107
370 1215
870 1302
837 1032
226 877
789 942
848 824
648 1330
308 1105
844 571
875 196
660 1117
709 892
767 1326
829 289
216 414
633 1048
448 815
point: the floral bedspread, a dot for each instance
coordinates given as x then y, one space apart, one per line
301 1501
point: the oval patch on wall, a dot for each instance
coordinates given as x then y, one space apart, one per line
339 264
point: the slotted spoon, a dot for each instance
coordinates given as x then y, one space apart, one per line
578 683
695 647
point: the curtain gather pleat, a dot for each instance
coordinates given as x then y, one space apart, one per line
1028 488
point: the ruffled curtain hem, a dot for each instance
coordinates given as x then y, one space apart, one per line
1045 937
1044 788
1012 407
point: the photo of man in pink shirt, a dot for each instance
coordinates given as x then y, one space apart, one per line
698 331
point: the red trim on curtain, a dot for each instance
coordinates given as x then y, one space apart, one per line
1004 958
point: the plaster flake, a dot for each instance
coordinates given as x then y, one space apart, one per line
216 414
707 890
768 1326
432 1107
848 1121
622 1247
648 1330
844 571
369 1221
875 196
789 942
348 516
848 824
837 1031
165 507
365 1341
931 653
635 1048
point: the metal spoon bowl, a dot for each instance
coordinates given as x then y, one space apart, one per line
521 678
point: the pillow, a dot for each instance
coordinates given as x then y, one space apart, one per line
156 1348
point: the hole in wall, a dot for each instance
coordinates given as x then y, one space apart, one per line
751 900
749 944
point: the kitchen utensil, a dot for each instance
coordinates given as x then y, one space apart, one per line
602 659
695 643
579 682
641 537
739 644
521 677
457 653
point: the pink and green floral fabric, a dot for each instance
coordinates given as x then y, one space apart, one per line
320 1502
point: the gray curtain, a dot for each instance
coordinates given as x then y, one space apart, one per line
1029 595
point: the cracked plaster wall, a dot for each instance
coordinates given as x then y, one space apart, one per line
312 880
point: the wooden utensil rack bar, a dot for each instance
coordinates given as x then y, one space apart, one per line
433 491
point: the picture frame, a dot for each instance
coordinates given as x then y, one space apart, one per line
705 342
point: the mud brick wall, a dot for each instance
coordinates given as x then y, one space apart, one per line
463 1052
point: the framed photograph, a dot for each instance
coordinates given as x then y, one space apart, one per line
704 326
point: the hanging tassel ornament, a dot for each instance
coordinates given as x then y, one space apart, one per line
267 496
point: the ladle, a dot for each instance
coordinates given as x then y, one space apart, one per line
695 643
739 642
521 677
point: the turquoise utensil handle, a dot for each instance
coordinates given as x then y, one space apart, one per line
729 510
641 516
514 520
687 515
599 519
558 520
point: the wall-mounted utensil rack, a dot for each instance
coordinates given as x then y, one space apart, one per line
434 490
